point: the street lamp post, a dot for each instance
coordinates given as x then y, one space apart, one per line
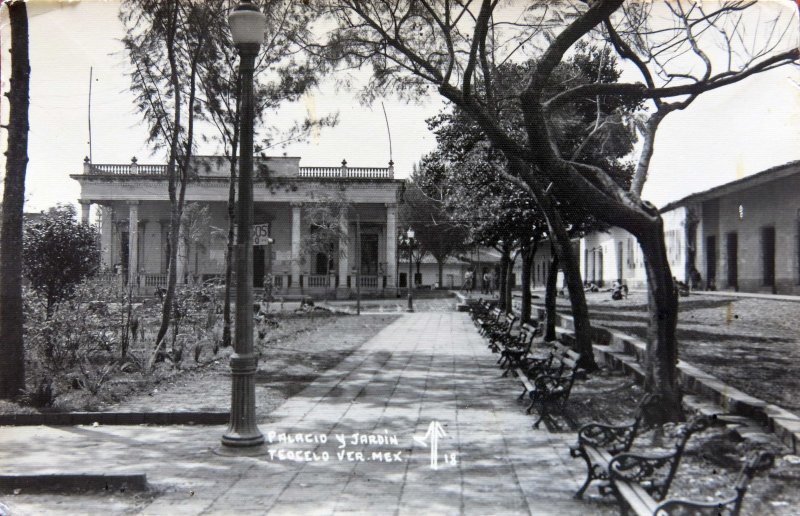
247 29
410 235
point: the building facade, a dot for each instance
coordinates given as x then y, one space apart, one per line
740 236
290 252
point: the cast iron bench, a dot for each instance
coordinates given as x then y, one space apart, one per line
489 321
598 443
517 349
731 505
479 310
548 384
639 482
500 333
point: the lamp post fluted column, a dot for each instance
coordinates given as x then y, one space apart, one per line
242 430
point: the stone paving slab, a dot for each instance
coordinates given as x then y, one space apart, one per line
346 444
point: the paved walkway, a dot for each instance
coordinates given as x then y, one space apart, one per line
422 369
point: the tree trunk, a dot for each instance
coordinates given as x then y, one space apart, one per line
501 301
441 271
662 347
509 305
550 297
577 298
569 264
176 213
572 274
527 261
12 364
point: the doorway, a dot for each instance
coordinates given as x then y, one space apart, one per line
258 266
768 255
711 262
369 255
732 245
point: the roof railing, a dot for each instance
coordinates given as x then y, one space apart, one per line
344 172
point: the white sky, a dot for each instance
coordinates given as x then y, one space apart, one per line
724 135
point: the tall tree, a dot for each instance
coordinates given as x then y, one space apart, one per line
219 101
453 46
166 43
12 351
434 231
600 122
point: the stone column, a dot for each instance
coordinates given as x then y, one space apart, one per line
296 215
344 255
391 245
133 242
106 231
85 205
180 259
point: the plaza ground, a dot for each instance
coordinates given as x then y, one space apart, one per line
424 368
418 369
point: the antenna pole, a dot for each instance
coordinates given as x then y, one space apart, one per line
91 69
387 130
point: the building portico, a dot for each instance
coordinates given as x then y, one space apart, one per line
135 224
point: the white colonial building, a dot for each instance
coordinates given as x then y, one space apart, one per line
740 236
134 224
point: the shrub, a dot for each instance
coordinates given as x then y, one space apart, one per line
58 253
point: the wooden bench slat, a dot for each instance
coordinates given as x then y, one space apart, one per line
637 498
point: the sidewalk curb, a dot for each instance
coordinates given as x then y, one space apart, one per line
115 418
72 482
627 352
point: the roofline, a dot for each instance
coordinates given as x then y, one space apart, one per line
733 186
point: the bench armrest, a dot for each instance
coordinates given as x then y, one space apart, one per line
757 461
679 506
536 366
612 438
549 386
653 472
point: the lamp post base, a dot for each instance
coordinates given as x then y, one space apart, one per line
232 451
234 440
243 431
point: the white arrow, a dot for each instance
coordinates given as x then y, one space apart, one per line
435 432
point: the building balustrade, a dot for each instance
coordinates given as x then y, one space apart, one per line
135 169
114 169
153 280
346 172
318 280
369 282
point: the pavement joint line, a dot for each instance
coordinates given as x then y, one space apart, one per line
423 369
411 453
379 420
484 380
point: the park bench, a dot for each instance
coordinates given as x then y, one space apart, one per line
501 333
489 321
548 383
479 310
518 348
730 506
598 443
639 482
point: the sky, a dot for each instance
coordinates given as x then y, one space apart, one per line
725 135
